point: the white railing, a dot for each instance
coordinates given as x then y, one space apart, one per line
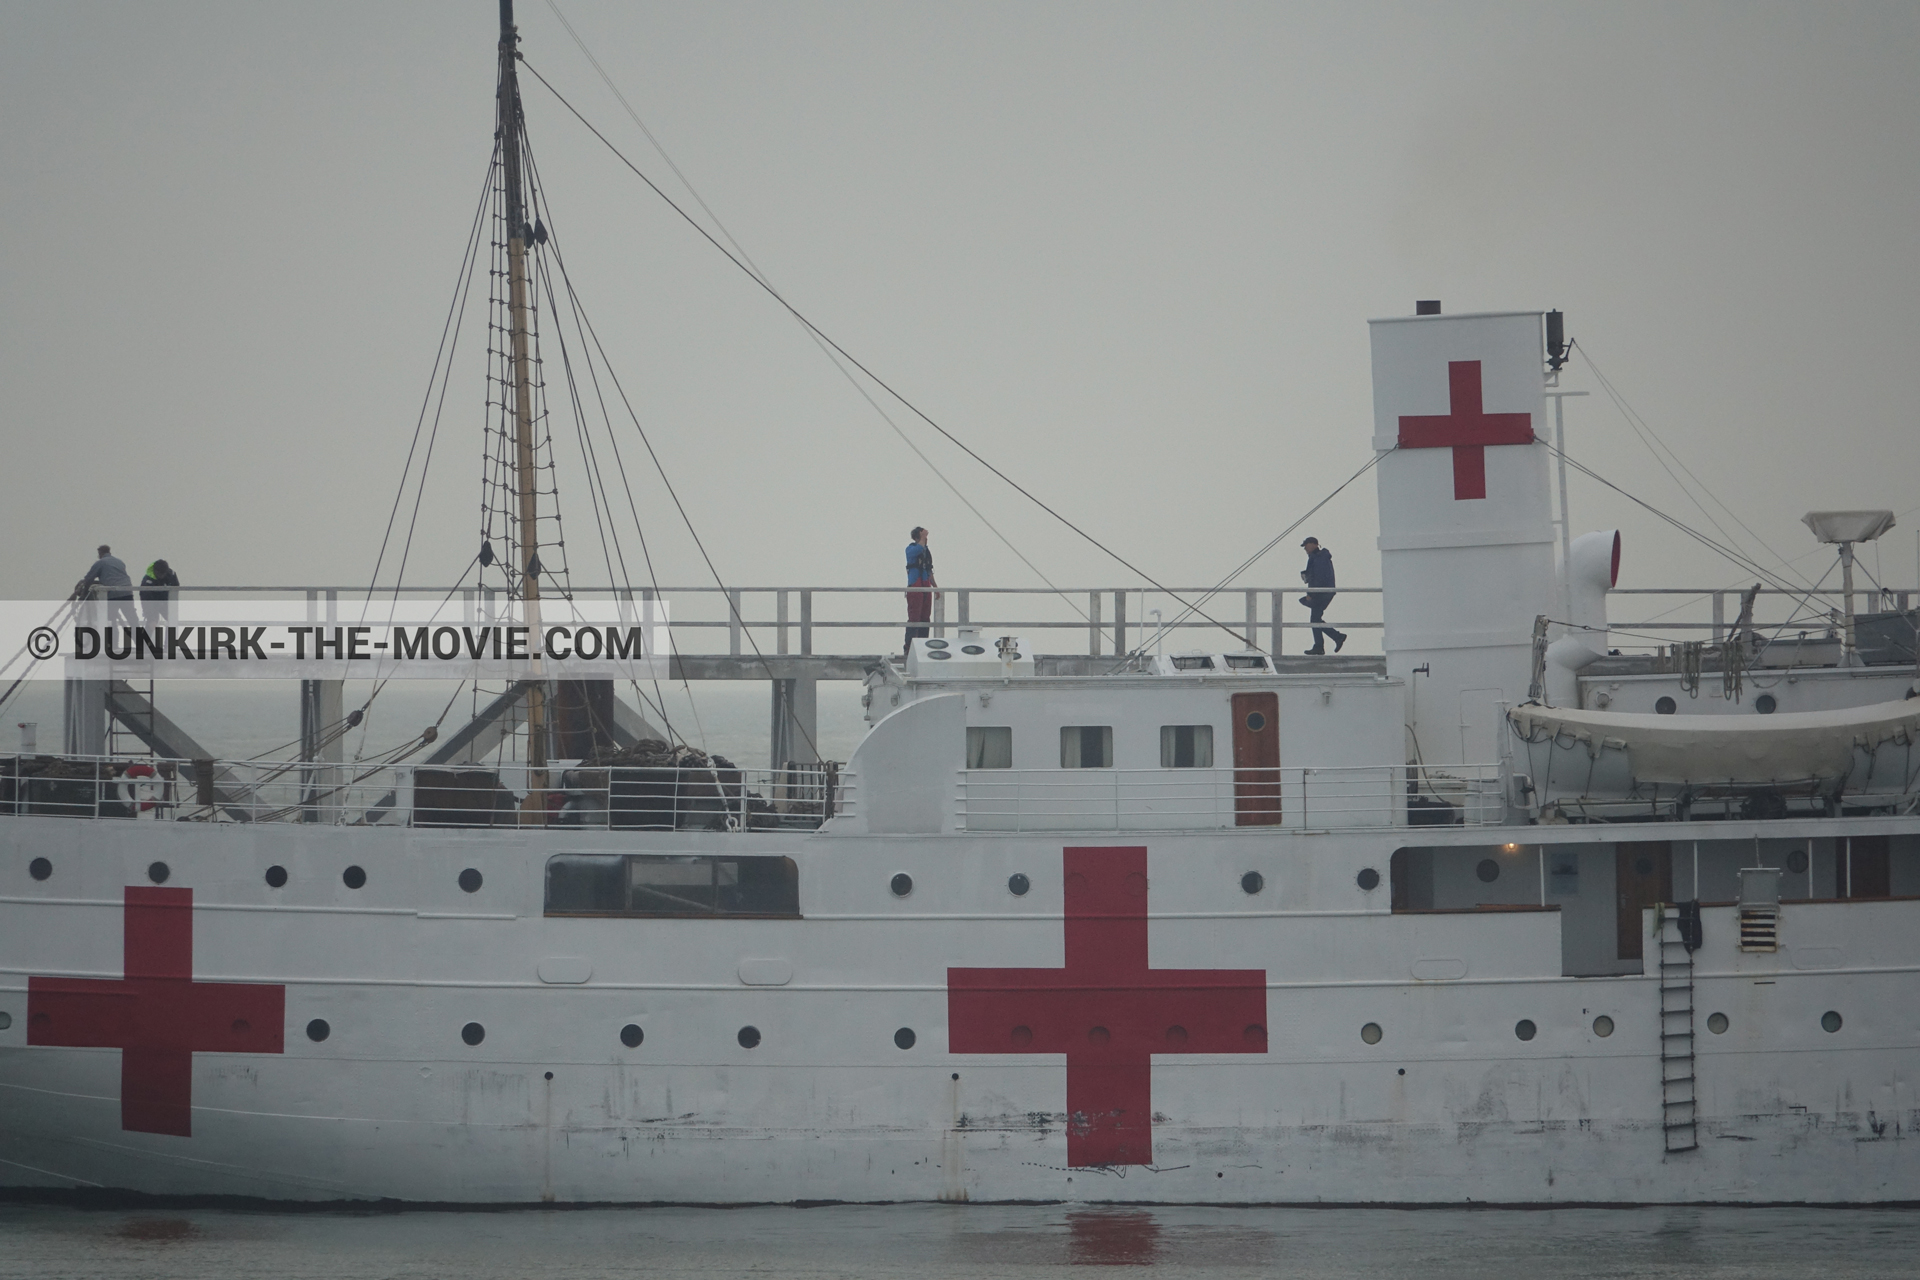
1306 798
702 798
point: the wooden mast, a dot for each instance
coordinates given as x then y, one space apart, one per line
525 475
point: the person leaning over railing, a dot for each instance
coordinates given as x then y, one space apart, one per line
156 600
110 573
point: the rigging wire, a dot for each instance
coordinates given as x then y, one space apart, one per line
596 481
882 383
660 468
442 373
755 270
1253 559
1649 437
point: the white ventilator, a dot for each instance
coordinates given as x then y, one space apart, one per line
1466 528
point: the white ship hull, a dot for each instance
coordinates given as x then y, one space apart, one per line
1447 1107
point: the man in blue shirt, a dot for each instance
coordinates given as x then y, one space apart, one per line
1318 575
920 585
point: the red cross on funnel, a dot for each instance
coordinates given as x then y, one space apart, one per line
1106 1010
1466 429
157 1016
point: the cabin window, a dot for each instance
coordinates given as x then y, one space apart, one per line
989 747
1086 746
671 885
1246 662
1192 662
1186 746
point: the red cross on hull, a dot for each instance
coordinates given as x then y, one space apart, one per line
157 1016
1466 429
1106 1010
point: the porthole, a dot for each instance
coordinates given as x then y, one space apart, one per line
353 878
973 648
6 1020
1371 1033
631 1035
1797 861
936 644
276 877
904 1038
1368 879
1665 707
39 868
1830 1022
1524 1029
1643 867
473 1033
158 872
1488 870
902 884
1765 704
471 880
1717 1023
1021 1037
1252 882
1255 1035
1603 1026
749 1037
941 654
1176 1035
1256 721
1018 884
318 1030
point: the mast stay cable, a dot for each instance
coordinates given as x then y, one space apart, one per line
882 383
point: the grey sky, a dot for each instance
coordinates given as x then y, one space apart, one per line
1126 251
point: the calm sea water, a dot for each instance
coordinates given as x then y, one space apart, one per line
927 1242
238 719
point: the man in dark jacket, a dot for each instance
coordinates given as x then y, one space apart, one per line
155 600
1318 575
920 586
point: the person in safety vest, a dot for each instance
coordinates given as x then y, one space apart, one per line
155 600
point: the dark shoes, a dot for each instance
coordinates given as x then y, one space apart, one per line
1339 641
1317 653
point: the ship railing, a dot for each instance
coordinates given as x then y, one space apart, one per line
1300 798
1108 621
704 797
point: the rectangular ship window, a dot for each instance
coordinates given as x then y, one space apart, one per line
671 885
1086 746
989 747
1186 746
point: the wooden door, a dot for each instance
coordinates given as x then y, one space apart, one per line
1256 759
1866 870
1642 876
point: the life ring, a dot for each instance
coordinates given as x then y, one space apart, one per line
140 787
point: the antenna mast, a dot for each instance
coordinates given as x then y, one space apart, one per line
525 475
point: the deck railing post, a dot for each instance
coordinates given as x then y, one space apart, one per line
1719 616
963 603
1093 624
939 614
1253 619
1120 624
780 614
1274 646
806 622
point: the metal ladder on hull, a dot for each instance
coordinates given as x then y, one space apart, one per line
1677 1106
